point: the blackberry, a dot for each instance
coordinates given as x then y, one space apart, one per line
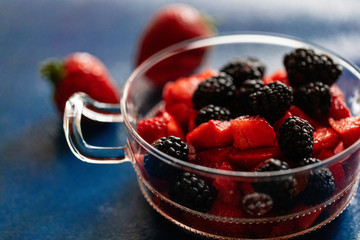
172 146
296 138
320 185
314 98
212 112
257 203
304 65
218 90
271 101
191 191
242 69
240 105
283 189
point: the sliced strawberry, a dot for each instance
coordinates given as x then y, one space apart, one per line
162 125
279 122
250 158
348 128
252 132
174 129
177 95
325 138
339 175
212 134
323 154
338 109
226 228
213 157
295 111
283 228
279 75
339 147
228 190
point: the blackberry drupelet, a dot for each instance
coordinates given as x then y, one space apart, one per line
271 101
212 112
320 185
240 106
313 98
172 146
296 138
218 90
242 69
304 65
191 191
283 189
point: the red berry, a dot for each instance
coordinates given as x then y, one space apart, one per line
228 189
348 128
170 25
214 133
177 96
325 138
280 75
213 157
80 72
252 132
250 158
338 108
163 125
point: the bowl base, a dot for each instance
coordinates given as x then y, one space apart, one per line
155 203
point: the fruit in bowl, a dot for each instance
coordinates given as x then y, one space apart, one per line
237 118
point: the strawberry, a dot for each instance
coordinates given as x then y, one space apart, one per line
213 157
252 132
172 24
325 138
250 158
228 190
296 111
177 96
338 108
280 75
163 125
213 133
80 72
348 128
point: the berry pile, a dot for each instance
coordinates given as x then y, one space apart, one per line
238 118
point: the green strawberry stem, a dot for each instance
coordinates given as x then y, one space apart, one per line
53 71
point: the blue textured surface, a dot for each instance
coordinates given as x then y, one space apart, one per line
45 192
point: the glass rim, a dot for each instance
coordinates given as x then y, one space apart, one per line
233 38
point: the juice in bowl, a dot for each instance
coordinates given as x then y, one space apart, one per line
261 142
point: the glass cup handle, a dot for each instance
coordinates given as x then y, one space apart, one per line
81 104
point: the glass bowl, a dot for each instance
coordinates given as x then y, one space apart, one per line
237 210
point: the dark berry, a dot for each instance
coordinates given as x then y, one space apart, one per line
257 204
243 69
320 185
212 112
271 101
218 90
296 138
313 98
304 65
240 105
282 189
172 146
191 191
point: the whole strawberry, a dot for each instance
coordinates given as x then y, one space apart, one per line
172 24
80 72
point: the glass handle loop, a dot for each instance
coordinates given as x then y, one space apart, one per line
81 104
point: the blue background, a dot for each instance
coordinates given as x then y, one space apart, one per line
45 192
